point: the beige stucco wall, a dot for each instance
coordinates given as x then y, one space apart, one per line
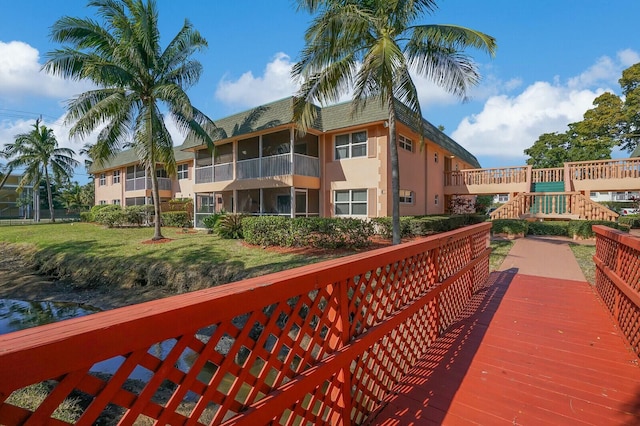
110 191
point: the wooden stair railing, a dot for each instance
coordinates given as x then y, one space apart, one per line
553 205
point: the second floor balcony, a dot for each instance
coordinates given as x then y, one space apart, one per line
144 183
260 167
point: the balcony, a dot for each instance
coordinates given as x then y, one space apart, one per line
263 167
142 183
214 173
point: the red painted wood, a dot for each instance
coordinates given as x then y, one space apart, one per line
528 350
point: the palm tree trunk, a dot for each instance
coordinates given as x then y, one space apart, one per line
49 195
395 176
157 234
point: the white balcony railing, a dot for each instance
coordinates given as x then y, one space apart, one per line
215 173
141 183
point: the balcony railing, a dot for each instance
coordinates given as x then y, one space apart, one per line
547 175
500 175
137 184
305 165
214 173
617 262
605 169
277 165
322 344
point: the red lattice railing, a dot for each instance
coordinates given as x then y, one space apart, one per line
320 344
617 262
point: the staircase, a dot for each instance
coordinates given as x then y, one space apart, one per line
553 205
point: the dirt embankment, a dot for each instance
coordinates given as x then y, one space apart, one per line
19 279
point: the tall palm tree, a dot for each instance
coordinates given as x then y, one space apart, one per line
38 153
371 46
135 78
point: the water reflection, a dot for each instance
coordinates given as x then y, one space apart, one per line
18 314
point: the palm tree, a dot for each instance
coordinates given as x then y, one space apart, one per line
135 77
38 153
371 46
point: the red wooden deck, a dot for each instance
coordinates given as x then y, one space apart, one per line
529 351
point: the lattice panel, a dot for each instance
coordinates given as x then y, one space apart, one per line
628 267
606 289
606 251
375 314
629 322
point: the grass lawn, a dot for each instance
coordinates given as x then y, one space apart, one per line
122 262
584 255
499 253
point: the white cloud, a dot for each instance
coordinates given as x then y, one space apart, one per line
249 90
20 75
508 124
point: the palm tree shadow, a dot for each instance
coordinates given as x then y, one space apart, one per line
428 389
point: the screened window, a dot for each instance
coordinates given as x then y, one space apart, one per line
116 177
351 145
406 197
103 179
183 171
352 202
161 173
405 143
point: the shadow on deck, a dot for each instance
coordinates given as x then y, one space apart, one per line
528 350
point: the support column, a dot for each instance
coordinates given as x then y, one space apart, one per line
293 202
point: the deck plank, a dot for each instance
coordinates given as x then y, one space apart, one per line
528 350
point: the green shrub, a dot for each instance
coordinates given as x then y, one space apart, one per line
110 215
209 222
549 228
178 219
631 221
383 226
316 232
230 226
138 215
509 226
86 217
583 228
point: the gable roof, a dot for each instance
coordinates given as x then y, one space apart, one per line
636 152
329 118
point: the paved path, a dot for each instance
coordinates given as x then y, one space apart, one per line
543 257
530 350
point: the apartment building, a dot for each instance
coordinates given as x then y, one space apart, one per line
13 204
262 165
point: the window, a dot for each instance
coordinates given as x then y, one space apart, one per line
352 202
435 157
103 179
405 143
103 202
351 145
436 199
116 202
406 197
503 198
161 173
116 177
183 171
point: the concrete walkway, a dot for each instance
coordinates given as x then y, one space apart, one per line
543 257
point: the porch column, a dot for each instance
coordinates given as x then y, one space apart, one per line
261 198
291 145
234 205
293 201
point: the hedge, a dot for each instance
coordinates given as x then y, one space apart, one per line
632 221
573 228
316 232
416 226
178 219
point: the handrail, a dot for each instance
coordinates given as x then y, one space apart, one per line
617 283
553 204
319 344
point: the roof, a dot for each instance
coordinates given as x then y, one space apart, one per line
280 113
129 156
636 152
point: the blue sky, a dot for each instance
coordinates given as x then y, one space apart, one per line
554 57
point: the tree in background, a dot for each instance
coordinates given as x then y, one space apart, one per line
37 152
371 45
136 77
614 121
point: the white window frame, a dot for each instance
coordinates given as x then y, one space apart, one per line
103 179
183 171
350 145
102 202
436 199
405 143
115 202
350 202
406 196
116 177
435 157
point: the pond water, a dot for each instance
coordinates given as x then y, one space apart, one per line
18 314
